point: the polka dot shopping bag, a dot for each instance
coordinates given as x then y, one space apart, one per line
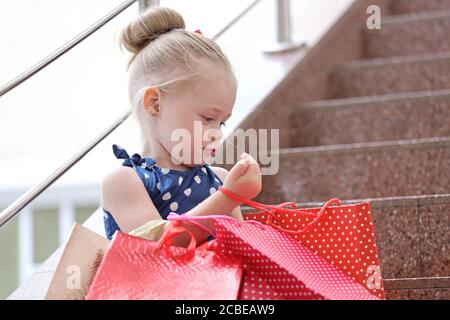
277 267
343 235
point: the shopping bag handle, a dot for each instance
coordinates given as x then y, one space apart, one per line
312 223
291 204
260 206
257 205
173 216
175 229
271 214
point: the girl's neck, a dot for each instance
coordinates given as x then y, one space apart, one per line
163 159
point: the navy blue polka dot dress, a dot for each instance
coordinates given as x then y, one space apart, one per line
170 190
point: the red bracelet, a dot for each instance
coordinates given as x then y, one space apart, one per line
232 195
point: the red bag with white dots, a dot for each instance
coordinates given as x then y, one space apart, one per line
277 267
343 235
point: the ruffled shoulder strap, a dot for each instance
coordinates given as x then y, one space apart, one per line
134 161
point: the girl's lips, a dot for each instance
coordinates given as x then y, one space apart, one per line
211 151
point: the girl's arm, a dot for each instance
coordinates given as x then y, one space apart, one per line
124 195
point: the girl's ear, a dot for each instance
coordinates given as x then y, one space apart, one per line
151 100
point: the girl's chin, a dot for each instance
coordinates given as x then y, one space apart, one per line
197 160
205 160
200 163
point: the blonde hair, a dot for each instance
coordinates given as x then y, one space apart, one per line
163 52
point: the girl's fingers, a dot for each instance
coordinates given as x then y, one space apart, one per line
239 168
253 171
251 159
245 166
245 155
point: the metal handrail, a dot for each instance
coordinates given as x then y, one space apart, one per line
236 19
27 197
13 209
64 49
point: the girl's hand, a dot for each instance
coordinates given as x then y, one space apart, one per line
244 179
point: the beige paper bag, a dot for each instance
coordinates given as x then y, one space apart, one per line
82 254
152 230
79 261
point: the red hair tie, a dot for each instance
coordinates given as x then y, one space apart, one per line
198 31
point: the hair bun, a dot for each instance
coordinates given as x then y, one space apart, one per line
148 26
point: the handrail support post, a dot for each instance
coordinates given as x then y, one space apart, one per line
145 4
283 19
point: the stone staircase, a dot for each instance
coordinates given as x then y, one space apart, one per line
380 132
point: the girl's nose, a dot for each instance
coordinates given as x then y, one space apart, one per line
216 136
213 135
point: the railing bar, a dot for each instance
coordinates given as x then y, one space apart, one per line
31 194
64 49
235 19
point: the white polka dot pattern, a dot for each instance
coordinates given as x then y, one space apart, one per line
174 206
187 192
344 236
166 196
277 267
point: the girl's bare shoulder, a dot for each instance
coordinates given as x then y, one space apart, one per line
120 182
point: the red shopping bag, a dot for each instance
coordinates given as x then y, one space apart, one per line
276 266
135 268
343 235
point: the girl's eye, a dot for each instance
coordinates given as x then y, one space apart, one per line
208 119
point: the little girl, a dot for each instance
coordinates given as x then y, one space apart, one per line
179 81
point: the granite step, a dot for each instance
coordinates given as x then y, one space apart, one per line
412 234
360 170
409 6
436 288
391 75
409 34
374 118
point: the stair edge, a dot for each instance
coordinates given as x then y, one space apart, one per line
383 202
373 100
